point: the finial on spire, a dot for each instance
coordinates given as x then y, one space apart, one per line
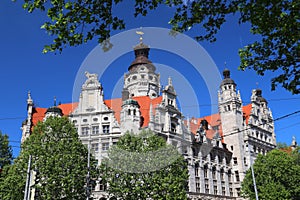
226 73
29 94
225 64
169 81
54 100
140 33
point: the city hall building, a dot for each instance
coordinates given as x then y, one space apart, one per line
218 148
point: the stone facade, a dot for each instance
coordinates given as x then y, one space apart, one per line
218 148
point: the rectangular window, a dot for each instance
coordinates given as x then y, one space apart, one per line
214 174
205 172
196 171
223 191
215 190
235 160
95 130
231 191
105 146
206 187
84 130
238 192
197 184
105 128
237 176
95 147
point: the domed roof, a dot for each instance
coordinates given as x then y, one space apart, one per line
227 80
54 109
259 96
141 52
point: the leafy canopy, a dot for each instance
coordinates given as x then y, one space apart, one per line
5 151
276 22
277 176
58 165
143 166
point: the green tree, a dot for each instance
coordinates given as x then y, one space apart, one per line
59 163
276 22
143 166
5 151
277 176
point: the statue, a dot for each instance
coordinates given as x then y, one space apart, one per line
91 76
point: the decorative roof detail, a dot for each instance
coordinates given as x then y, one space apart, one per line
227 80
131 102
54 110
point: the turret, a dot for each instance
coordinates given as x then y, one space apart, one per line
53 111
131 119
141 79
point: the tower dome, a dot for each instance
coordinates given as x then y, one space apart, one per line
227 80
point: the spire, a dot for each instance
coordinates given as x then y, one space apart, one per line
170 81
294 143
29 99
54 104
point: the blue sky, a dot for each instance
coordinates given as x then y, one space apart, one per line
24 68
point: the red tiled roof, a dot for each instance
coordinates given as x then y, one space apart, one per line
39 113
115 105
246 112
68 108
144 102
213 120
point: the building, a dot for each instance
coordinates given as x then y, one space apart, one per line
219 148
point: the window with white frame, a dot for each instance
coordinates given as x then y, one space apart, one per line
105 128
84 130
95 130
105 146
95 147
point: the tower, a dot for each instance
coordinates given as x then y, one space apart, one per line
141 79
230 109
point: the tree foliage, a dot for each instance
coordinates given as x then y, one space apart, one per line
143 166
277 176
58 165
277 22
5 151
